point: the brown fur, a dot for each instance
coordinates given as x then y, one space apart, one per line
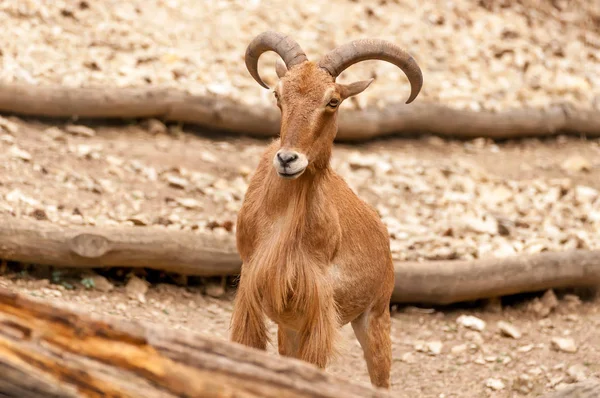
315 256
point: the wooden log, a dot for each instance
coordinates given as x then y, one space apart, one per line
447 282
432 282
222 113
584 389
40 242
51 351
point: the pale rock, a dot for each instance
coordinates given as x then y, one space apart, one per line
495 384
19 153
9 139
577 372
544 306
83 131
54 133
471 322
408 357
585 194
136 288
189 203
474 336
549 299
101 284
177 182
477 225
525 348
155 126
431 347
459 349
564 344
509 330
496 195
504 250
9 126
576 163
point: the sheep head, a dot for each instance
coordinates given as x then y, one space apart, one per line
309 97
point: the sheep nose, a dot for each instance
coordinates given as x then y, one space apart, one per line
285 158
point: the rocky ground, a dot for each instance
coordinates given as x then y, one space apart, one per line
485 54
440 199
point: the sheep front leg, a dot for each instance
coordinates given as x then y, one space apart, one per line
319 334
248 325
372 329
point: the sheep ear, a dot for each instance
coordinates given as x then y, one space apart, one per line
349 90
280 68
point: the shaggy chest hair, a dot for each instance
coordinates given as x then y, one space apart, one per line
289 267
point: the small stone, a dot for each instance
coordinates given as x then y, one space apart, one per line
19 153
509 330
177 182
408 357
549 299
8 126
431 347
495 384
136 288
101 284
544 306
585 194
526 348
576 163
435 347
471 322
458 349
121 307
155 126
564 344
139 220
83 131
55 133
189 203
577 372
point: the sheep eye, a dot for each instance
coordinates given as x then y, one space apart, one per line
333 102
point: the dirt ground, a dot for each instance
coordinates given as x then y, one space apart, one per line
435 355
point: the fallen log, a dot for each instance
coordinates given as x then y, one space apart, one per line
50 351
222 113
432 282
39 242
453 281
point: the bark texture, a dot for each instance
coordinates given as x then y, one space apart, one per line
432 282
50 351
221 113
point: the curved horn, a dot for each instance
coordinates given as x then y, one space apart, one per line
287 48
355 51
